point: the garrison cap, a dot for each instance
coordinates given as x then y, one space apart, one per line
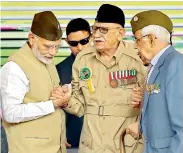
108 13
151 17
46 26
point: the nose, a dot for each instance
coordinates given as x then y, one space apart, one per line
53 51
80 47
96 34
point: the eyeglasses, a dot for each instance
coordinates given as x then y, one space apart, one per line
82 42
103 30
49 47
137 40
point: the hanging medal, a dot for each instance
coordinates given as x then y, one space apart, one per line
112 79
86 74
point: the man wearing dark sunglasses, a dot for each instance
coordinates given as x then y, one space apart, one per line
78 37
79 44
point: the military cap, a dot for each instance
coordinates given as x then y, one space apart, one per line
108 13
46 26
151 17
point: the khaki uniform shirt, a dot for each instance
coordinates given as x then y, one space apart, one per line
106 111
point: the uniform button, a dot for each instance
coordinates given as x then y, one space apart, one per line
103 133
146 141
103 102
103 118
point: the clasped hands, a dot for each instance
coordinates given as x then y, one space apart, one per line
60 96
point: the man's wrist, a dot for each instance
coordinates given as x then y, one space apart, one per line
64 106
54 104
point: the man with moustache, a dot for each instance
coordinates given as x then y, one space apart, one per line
104 95
78 38
34 123
162 116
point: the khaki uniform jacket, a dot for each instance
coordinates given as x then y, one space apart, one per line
106 111
46 134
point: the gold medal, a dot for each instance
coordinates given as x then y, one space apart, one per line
114 83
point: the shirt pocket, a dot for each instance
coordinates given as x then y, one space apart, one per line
37 143
86 142
122 94
161 143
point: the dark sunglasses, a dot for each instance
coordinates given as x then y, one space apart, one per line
82 42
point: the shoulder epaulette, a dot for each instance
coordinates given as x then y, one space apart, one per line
84 52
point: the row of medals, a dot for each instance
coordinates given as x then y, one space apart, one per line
123 78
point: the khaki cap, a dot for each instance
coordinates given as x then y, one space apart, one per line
151 17
46 26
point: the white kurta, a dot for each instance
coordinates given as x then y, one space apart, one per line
11 97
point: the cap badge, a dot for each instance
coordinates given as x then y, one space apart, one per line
135 18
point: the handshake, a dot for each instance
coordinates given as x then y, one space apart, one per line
61 95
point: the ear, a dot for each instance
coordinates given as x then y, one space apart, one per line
121 33
31 39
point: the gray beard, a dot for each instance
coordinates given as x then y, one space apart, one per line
40 57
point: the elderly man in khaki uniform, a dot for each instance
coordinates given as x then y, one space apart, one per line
104 77
33 123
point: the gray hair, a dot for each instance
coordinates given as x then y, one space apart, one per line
158 31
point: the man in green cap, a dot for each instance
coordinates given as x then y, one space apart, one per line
162 115
104 76
34 123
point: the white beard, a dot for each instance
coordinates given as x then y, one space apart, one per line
39 56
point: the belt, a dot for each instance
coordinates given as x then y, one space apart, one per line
123 111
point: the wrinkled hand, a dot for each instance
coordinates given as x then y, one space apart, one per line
60 96
133 130
137 96
60 91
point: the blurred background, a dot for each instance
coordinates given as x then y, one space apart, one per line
16 19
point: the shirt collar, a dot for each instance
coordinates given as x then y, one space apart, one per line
156 58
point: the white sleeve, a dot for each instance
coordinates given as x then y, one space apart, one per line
13 87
